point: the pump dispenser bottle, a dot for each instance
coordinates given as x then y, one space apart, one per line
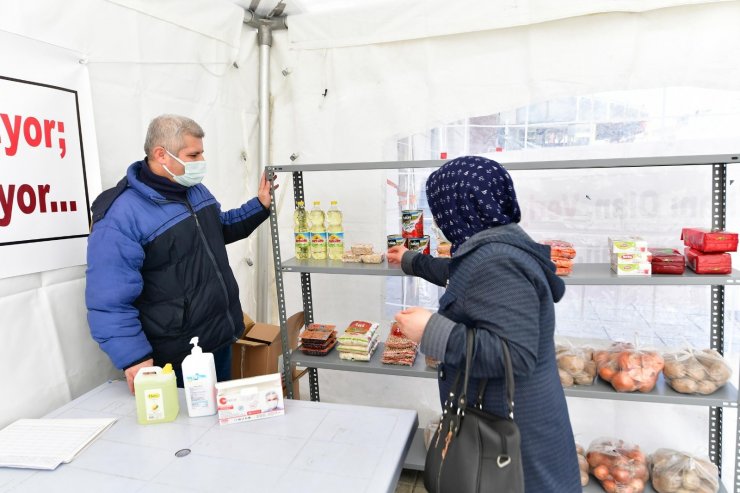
199 380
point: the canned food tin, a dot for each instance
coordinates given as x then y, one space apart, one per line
394 240
419 244
412 223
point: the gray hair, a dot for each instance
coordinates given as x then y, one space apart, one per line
168 131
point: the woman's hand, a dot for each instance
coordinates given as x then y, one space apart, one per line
395 254
412 321
263 194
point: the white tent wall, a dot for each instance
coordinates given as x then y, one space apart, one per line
351 93
194 58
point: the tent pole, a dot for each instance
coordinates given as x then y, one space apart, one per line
264 26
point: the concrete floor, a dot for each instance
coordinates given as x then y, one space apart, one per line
411 482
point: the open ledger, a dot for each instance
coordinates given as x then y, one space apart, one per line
46 443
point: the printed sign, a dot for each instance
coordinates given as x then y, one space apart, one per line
44 193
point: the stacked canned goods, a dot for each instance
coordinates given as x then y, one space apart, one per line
412 232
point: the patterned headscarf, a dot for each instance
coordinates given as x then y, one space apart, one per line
470 194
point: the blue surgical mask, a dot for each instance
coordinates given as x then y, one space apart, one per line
194 171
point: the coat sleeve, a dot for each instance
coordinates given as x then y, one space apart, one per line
434 270
240 223
114 282
500 301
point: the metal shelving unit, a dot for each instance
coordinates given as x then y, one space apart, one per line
583 274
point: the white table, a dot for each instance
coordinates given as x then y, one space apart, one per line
314 447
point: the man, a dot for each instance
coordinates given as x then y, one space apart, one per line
157 270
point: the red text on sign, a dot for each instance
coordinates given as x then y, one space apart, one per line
29 199
33 132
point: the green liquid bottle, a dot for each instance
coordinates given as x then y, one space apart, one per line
156 395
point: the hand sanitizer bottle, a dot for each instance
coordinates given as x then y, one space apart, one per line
199 379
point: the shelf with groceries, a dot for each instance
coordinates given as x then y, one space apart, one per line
696 265
583 273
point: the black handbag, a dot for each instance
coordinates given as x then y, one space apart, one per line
473 450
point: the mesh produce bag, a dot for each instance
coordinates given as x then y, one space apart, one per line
629 368
619 466
673 472
693 371
575 364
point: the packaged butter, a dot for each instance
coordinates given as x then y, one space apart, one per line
627 244
641 269
630 258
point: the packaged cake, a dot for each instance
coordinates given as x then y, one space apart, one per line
667 261
708 241
708 263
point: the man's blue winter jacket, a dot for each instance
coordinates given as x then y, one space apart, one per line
158 273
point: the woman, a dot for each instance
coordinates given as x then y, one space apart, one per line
503 284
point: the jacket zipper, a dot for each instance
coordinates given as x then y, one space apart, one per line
215 265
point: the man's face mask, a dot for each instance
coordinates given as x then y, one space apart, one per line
194 171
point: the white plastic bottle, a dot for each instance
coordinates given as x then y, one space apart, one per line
199 379
335 232
318 231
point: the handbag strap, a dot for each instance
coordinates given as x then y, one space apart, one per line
508 368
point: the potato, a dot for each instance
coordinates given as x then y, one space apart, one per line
566 380
582 463
667 482
580 450
706 387
718 372
696 371
674 369
583 378
690 480
584 478
683 385
571 363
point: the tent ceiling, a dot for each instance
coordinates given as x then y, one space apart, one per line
263 8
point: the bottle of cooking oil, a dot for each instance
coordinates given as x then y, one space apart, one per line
318 231
301 232
156 395
335 232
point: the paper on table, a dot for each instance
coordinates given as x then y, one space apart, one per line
46 443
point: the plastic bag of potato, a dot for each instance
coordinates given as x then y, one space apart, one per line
628 368
693 371
582 464
619 466
575 365
673 472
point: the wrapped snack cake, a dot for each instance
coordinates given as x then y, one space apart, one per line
399 350
358 341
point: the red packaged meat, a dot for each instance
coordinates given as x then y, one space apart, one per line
708 263
708 241
667 261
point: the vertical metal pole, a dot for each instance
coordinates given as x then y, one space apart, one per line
717 342
313 374
264 39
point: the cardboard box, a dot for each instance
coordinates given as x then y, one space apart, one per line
257 351
248 399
